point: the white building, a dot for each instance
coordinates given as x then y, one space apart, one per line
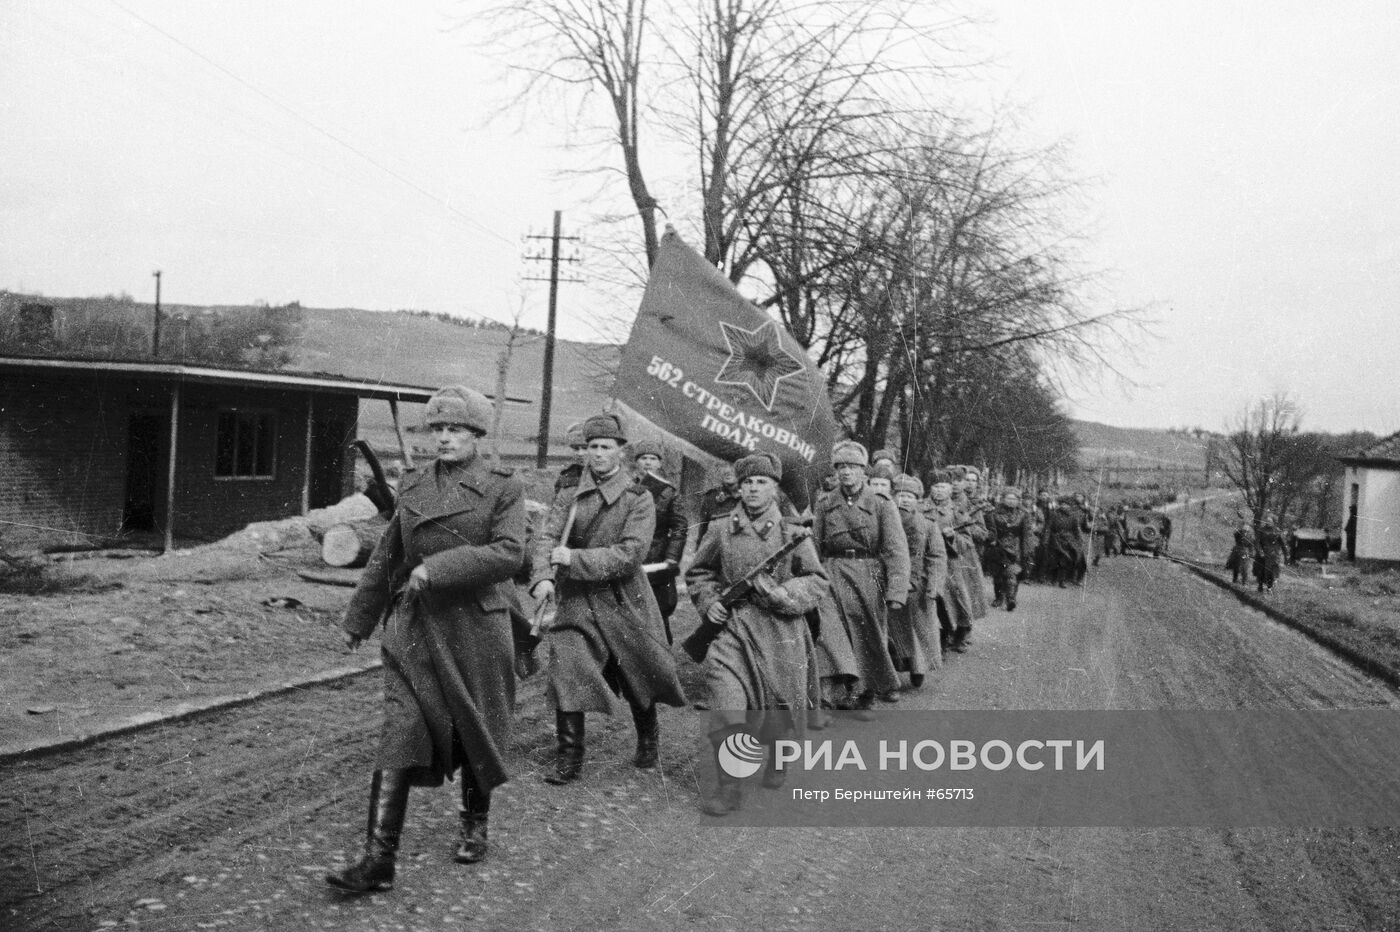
1373 488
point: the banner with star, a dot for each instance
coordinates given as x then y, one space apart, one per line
722 377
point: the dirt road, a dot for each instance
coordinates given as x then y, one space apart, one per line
229 821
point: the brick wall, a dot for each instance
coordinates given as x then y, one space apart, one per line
62 455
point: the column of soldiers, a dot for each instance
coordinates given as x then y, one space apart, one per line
833 615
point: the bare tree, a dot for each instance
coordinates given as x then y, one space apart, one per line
1259 449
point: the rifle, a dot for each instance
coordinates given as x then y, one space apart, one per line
698 644
546 610
378 490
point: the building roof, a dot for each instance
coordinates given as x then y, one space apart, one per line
220 375
1384 452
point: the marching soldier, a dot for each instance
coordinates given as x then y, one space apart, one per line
1011 543
607 638
1241 554
956 619
668 538
1268 553
1065 542
862 544
719 501
762 658
914 628
568 476
440 582
972 525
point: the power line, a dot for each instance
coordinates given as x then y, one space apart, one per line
348 146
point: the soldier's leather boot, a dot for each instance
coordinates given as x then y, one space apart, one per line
962 639
648 736
374 871
569 760
728 795
474 814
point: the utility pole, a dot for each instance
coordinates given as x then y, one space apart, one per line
547 392
155 337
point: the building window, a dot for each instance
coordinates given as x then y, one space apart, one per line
246 446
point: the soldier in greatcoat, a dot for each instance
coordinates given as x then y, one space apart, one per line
1268 553
719 501
972 525
862 545
1241 554
957 615
607 638
440 581
1012 540
762 659
668 537
914 632
1065 536
568 476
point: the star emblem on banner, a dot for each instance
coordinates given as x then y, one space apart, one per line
757 361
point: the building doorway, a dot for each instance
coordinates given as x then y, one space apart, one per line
329 439
145 435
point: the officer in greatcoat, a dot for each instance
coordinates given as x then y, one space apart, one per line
914 632
440 582
1012 541
1065 541
607 638
762 659
862 544
668 537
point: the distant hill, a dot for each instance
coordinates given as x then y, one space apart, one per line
1138 447
421 350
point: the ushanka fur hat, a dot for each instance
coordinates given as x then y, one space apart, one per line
457 404
604 427
645 447
759 464
849 452
907 483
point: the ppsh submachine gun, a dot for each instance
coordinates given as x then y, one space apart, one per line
698 644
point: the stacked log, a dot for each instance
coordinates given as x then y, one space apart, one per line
350 544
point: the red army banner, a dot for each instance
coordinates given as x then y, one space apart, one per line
710 368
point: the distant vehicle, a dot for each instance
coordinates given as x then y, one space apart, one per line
1146 530
1313 543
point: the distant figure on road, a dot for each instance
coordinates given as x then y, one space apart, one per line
1351 533
1268 554
1241 554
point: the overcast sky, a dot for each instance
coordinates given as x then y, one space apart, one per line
1241 164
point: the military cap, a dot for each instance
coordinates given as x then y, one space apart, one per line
645 447
604 427
457 404
907 483
759 464
849 451
883 455
573 434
